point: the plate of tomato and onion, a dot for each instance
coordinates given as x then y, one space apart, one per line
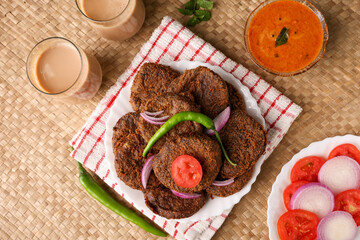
304 174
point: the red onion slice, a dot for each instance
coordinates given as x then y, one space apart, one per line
313 197
340 174
186 195
153 113
157 119
146 118
146 170
220 121
337 225
223 183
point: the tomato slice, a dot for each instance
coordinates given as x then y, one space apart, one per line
346 149
349 201
297 224
186 171
307 169
290 190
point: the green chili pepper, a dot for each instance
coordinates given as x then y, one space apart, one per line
105 199
181 117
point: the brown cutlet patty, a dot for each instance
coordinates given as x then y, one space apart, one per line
208 88
236 186
126 125
152 79
127 147
164 203
236 99
171 104
244 140
197 145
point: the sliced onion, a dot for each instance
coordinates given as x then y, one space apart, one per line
313 197
223 183
340 174
146 170
146 118
186 195
153 113
220 121
337 225
155 118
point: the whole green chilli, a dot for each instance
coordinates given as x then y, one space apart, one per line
181 117
92 187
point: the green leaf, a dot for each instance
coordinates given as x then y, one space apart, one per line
185 11
203 15
190 5
205 4
71 148
193 21
283 37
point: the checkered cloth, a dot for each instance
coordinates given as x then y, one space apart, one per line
172 42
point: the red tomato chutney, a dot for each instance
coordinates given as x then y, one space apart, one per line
305 36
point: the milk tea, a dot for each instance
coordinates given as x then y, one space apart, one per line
57 67
114 19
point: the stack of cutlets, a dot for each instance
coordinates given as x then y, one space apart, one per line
159 88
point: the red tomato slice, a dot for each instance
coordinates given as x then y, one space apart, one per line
290 190
186 171
346 150
297 224
307 169
349 201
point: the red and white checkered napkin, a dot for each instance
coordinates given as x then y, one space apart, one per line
171 42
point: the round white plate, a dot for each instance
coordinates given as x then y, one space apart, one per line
213 207
276 206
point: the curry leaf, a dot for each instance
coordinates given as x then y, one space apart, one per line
193 21
190 5
203 15
205 4
283 37
199 9
185 11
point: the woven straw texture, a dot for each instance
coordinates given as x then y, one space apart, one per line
40 195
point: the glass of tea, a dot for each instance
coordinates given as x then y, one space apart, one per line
113 19
57 67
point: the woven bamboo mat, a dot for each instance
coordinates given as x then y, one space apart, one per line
39 192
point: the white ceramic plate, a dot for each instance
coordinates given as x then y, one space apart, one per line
276 206
213 207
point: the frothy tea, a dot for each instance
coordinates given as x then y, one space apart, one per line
114 19
103 9
58 68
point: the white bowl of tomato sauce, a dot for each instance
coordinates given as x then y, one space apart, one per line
286 37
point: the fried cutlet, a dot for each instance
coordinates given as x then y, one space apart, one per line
197 145
208 88
164 203
244 140
127 147
126 125
152 79
236 99
236 186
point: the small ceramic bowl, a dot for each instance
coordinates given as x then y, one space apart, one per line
318 57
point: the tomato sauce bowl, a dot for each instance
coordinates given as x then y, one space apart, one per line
286 37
